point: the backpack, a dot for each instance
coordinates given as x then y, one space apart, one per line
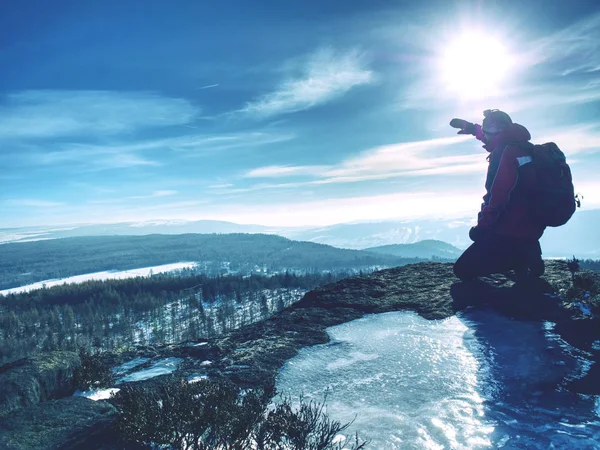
553 201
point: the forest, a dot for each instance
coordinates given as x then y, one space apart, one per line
590 264
28 262
118 314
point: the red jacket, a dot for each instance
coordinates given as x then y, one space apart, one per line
505 209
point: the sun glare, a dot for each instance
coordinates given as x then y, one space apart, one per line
474 65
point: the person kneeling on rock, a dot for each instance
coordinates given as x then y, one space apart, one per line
506 236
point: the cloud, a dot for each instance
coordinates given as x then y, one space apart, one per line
584 138
577 47
116 155
201 145
410 159
92 158
394 160
220 186
406 205
207 87
405 157
32 203
279 171
325 76
56 113
155 194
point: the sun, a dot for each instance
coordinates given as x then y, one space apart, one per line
474 65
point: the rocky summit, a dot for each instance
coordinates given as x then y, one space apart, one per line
252 356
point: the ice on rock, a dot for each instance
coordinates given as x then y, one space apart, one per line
97 394
127 366
161 367
408 381
474 381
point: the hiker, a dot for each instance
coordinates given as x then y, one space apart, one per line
507 235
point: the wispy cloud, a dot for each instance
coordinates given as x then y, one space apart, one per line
220 186
577 46
115 155
33 203
155 194
53 113
395 160
279 171
91 158
402 158
325 76
578 139
207 87
201 145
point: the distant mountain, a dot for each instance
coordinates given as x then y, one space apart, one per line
424 249
129 229
23 263
579 237
375 234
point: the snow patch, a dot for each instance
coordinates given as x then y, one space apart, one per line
196 378
97 394
106 275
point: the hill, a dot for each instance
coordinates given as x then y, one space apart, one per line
251 357
28 262
424 249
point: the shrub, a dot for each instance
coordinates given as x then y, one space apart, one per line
218 416
586 288
94 372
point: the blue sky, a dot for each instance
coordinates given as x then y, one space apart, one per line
281 113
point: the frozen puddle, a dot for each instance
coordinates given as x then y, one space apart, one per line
126 367
479 381
161 367
409 382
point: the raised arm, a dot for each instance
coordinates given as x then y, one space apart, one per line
466 127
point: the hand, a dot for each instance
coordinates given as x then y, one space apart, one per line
465 127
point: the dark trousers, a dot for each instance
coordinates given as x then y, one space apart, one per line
500 254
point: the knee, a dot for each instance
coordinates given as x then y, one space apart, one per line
462 270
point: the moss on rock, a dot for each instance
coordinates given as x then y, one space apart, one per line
35 379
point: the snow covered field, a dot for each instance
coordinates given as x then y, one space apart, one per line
108 275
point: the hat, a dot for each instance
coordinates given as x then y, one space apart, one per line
495 121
